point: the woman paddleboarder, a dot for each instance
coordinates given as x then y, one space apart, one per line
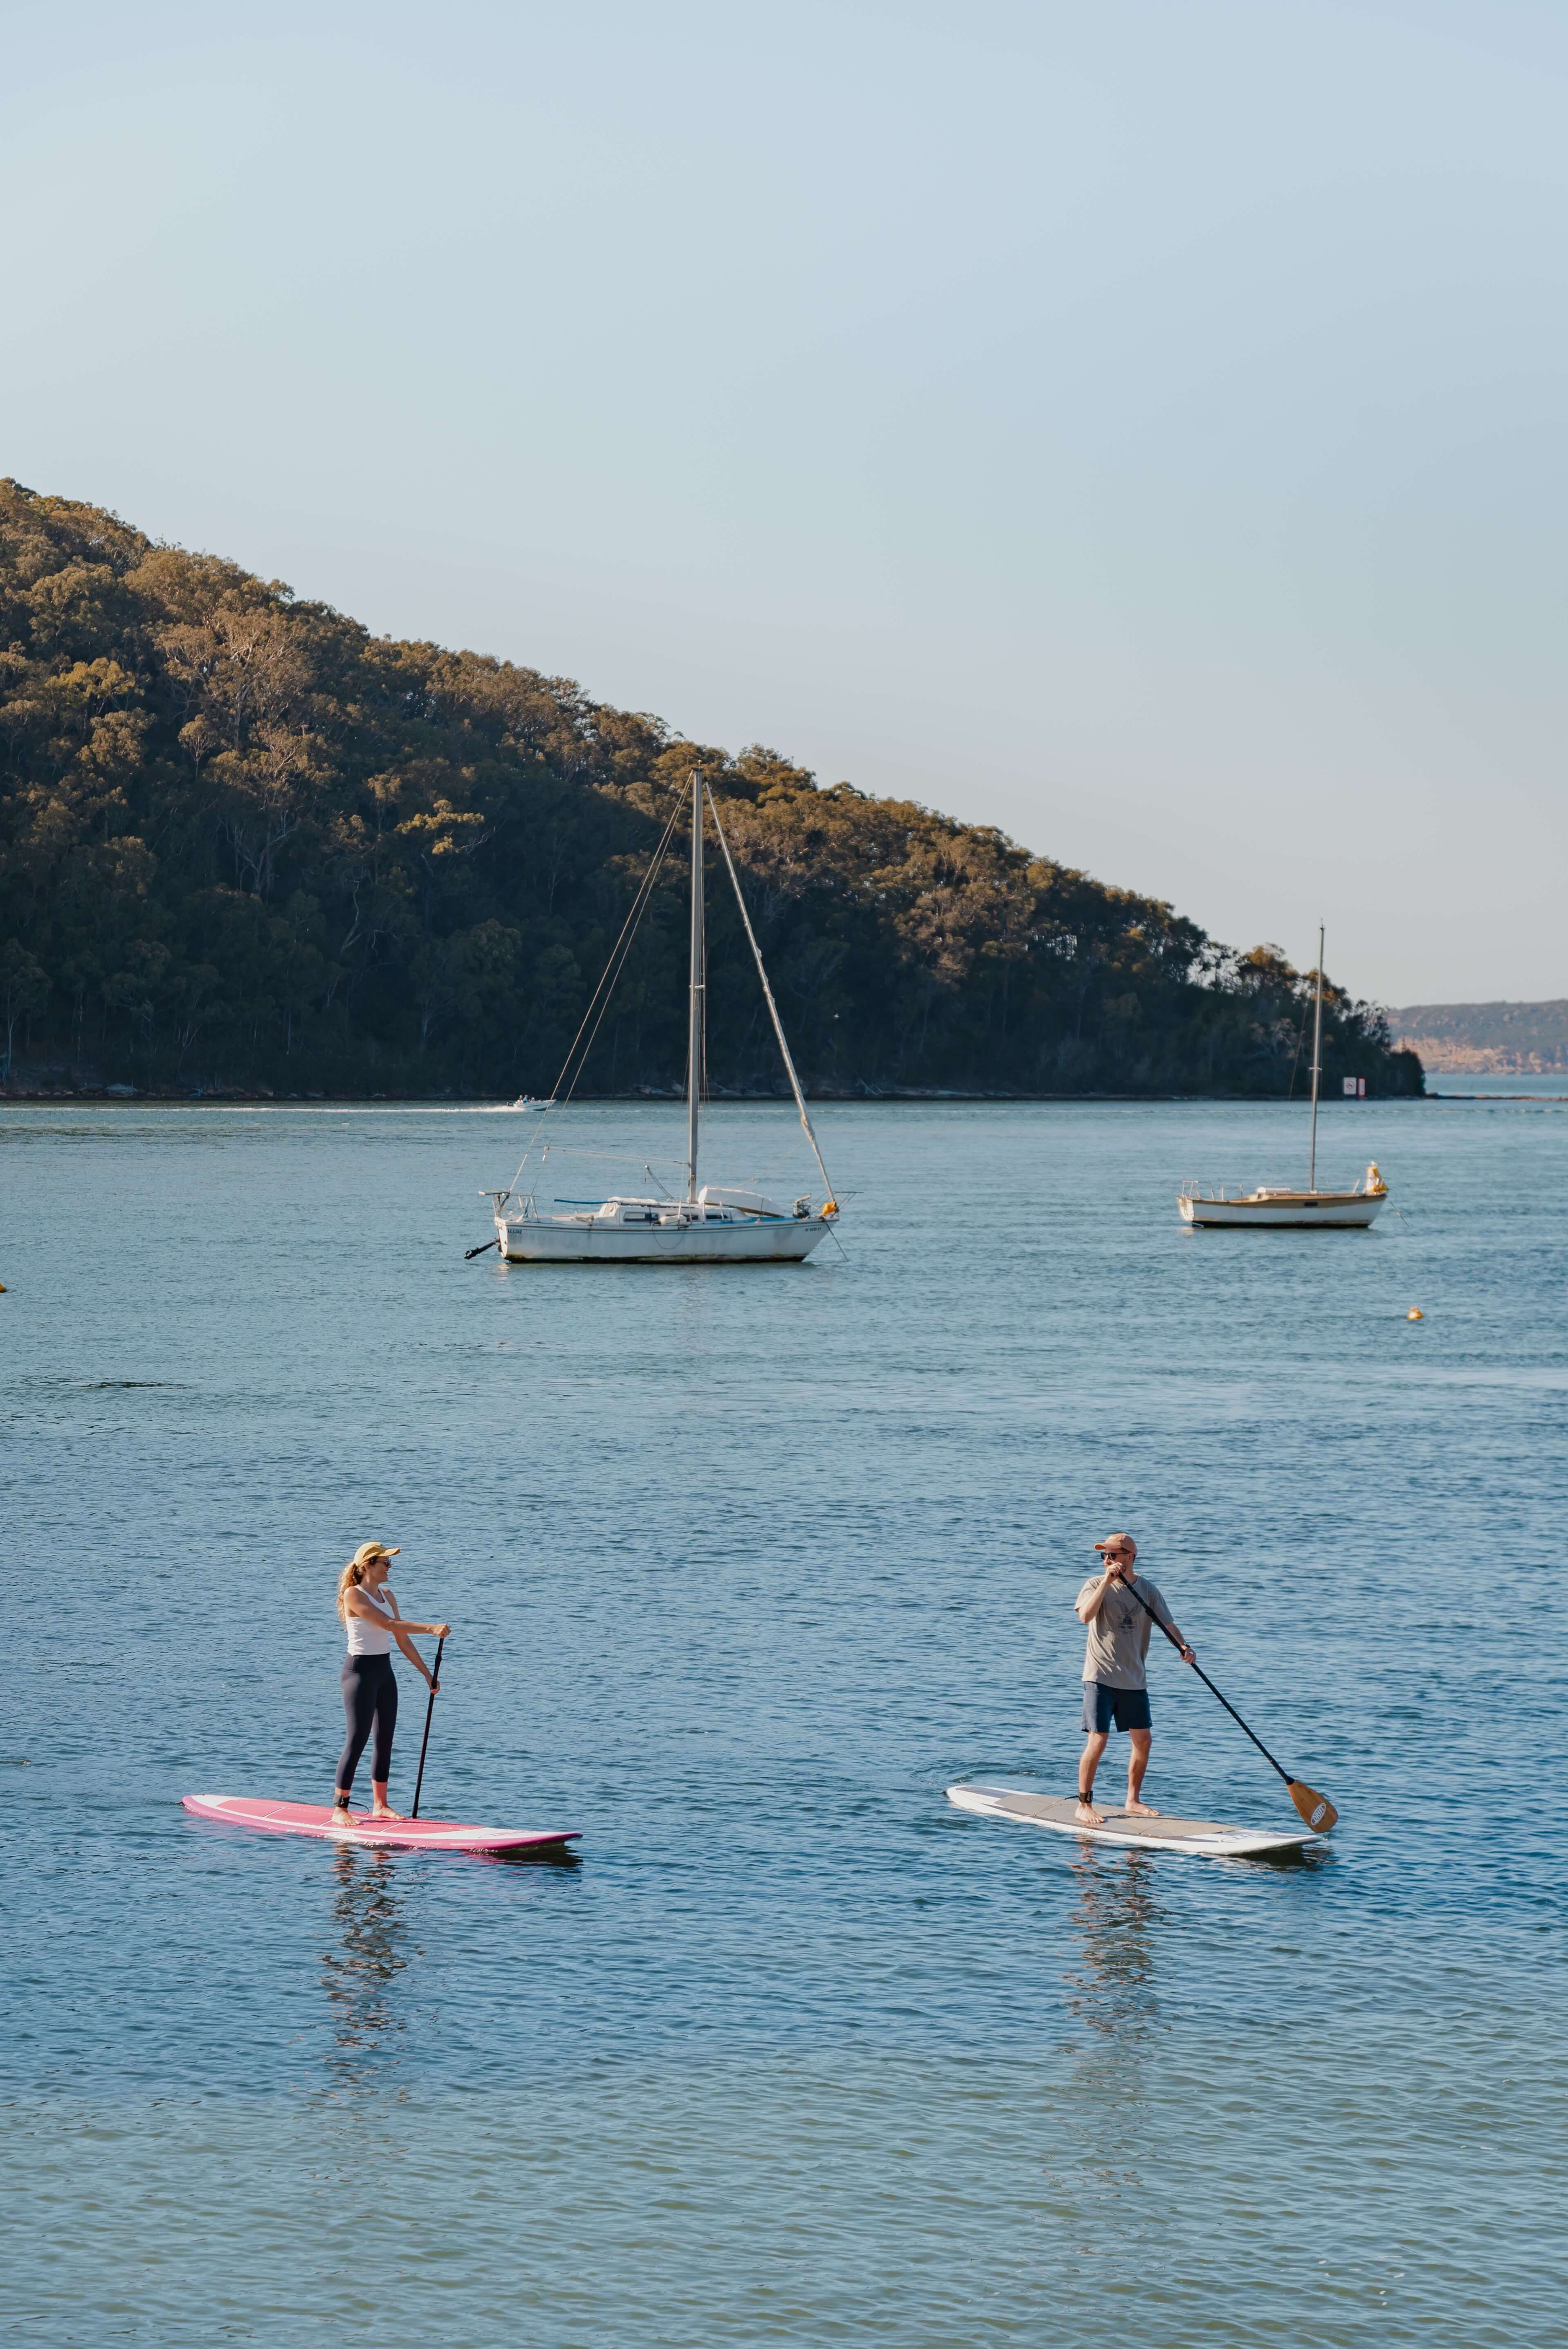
370 1616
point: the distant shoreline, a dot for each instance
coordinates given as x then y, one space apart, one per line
1487 1040
897 1098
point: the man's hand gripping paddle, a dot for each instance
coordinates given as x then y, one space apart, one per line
1316 1809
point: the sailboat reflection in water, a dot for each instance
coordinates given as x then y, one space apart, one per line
715 1224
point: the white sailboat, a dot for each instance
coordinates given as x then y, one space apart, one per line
1211 1208
708 1223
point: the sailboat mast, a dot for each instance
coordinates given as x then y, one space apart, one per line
1317 1065
696 1021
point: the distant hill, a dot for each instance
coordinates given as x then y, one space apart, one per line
246 845
1482 1039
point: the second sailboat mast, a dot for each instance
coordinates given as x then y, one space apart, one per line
1317 1069
696 1021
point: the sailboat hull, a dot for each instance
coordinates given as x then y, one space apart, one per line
571 1240
1288 1211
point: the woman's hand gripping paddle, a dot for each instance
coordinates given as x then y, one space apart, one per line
1317 1812
429 1709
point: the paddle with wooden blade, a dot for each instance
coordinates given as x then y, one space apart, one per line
1316 1809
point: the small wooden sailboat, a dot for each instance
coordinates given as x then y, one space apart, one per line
710 1223
1276 1206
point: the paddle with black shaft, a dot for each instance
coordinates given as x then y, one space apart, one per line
430 1707
1316 1809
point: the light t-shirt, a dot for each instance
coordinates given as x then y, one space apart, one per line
1120 1634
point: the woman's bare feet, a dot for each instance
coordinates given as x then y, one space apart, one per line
1086 1815
1146 1809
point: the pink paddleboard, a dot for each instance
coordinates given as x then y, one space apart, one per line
315 1819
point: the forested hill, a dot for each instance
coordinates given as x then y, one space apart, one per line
245 844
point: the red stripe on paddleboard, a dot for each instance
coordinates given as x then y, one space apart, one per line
315 1819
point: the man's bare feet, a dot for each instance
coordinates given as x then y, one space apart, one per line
1146 1809
385 1811
1086 1815
340 1817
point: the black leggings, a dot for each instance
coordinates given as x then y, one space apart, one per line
369 1695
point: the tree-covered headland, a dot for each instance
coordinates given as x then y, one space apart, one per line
245 844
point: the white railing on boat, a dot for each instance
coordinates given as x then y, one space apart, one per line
658 1211
1222 1194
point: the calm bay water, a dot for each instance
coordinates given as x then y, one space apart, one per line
744 1568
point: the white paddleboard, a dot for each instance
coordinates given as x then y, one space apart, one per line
1202 1838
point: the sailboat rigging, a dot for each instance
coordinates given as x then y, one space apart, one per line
708 1224
1311 1209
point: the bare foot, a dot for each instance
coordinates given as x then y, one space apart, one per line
385 1811
1146 1809
1086 1815
340 1817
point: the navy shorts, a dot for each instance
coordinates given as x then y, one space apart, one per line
1128 1708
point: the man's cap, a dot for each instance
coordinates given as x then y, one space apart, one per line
1114 1541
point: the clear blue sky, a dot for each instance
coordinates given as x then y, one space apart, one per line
1139 425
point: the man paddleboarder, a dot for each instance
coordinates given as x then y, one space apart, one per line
1114 1688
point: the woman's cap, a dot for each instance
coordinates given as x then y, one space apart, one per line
367 1550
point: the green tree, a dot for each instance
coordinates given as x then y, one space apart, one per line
24 989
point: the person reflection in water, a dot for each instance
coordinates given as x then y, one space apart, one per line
1115 1921
370 1616
358 1977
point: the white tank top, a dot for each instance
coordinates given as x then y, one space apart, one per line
369 1639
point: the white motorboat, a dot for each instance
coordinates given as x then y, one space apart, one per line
706 1224
1277 1205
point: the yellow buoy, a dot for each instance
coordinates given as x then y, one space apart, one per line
1415 1314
